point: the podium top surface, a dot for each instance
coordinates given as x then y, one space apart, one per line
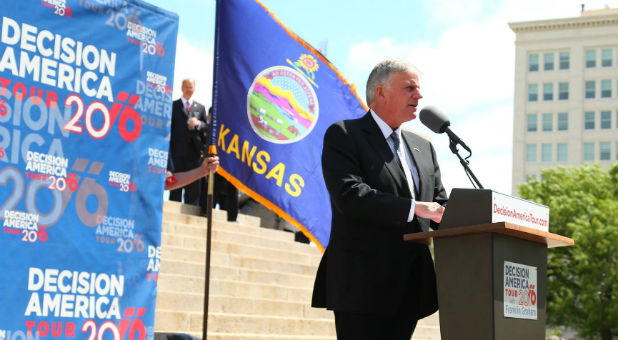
505 228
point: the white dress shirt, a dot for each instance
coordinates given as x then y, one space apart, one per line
403 154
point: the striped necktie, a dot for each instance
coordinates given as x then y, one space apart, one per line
401 158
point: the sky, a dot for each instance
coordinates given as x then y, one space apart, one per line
465 51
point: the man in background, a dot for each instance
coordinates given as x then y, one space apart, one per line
189 126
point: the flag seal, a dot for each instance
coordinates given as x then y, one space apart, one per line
282 106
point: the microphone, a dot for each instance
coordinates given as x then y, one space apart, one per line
434 119
437 122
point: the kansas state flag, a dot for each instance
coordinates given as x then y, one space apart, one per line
274 97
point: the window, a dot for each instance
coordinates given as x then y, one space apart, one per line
563 121
591 58
564 60
605 151
531 121
548 91
533 62
548 124
590 89
606 88
531 153
563 91
606 120
589 120
533 92
562 154
588 152
546 153
548 61
606 57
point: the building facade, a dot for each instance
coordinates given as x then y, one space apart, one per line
566 93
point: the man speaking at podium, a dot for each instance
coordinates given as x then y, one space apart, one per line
383 183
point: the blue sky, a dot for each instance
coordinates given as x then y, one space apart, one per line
464 49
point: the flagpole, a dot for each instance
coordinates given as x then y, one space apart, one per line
209 204
212 150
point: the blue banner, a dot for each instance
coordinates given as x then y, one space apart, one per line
85 108
274 98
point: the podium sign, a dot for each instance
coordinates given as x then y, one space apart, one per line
518 211
520 291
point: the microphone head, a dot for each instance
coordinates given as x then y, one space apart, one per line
435 120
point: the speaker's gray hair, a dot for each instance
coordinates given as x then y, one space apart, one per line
382 72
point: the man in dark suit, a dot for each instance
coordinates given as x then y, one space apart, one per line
189 125
383 183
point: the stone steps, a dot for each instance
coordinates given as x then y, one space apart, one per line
244 222
253 336
234 273
195 285
244 323
197 228
235 235
170 300
249 326
218 258
185 254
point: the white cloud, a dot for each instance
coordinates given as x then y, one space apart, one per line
470 64
194 61
528 10
453 11
447 11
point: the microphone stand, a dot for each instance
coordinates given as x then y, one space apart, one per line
464 162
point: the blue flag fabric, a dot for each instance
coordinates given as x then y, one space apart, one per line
85 106
274 97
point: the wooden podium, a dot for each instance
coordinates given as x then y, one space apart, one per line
492 277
